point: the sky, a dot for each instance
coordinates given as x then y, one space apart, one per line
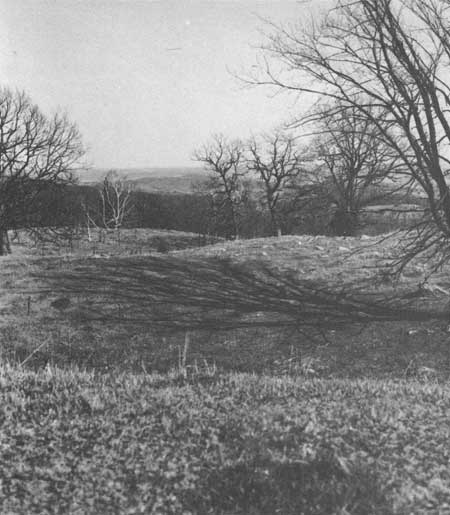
146 81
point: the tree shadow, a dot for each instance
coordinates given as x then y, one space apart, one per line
172 294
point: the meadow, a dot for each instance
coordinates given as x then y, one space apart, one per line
278 375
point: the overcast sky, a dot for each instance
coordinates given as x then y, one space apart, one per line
146 81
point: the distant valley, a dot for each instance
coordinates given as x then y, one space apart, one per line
152 180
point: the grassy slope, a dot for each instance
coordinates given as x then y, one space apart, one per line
78 443
245 298
109 243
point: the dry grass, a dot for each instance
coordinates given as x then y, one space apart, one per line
110 242
243 304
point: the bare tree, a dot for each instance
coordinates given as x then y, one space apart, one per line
223 159
115 196
36 153
277 162
395 54
112 206
353 163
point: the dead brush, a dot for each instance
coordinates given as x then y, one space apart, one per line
422 373
198 371
296 365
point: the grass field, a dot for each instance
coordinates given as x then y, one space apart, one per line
73 442
280 375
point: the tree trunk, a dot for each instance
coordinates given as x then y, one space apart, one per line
344 223
276 229
5 247
234 223
88 227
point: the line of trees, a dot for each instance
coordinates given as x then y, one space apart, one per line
266 186
245 177
343 168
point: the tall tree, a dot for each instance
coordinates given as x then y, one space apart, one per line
36 153
223 160
394 54
277 162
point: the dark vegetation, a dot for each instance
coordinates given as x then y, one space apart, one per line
63 208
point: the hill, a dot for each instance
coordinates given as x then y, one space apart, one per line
171 184
280 299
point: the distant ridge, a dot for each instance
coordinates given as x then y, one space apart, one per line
96 174
151 179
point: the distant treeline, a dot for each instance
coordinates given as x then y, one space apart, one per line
66 206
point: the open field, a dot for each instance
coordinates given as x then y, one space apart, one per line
120 393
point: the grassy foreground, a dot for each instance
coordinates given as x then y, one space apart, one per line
80 443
